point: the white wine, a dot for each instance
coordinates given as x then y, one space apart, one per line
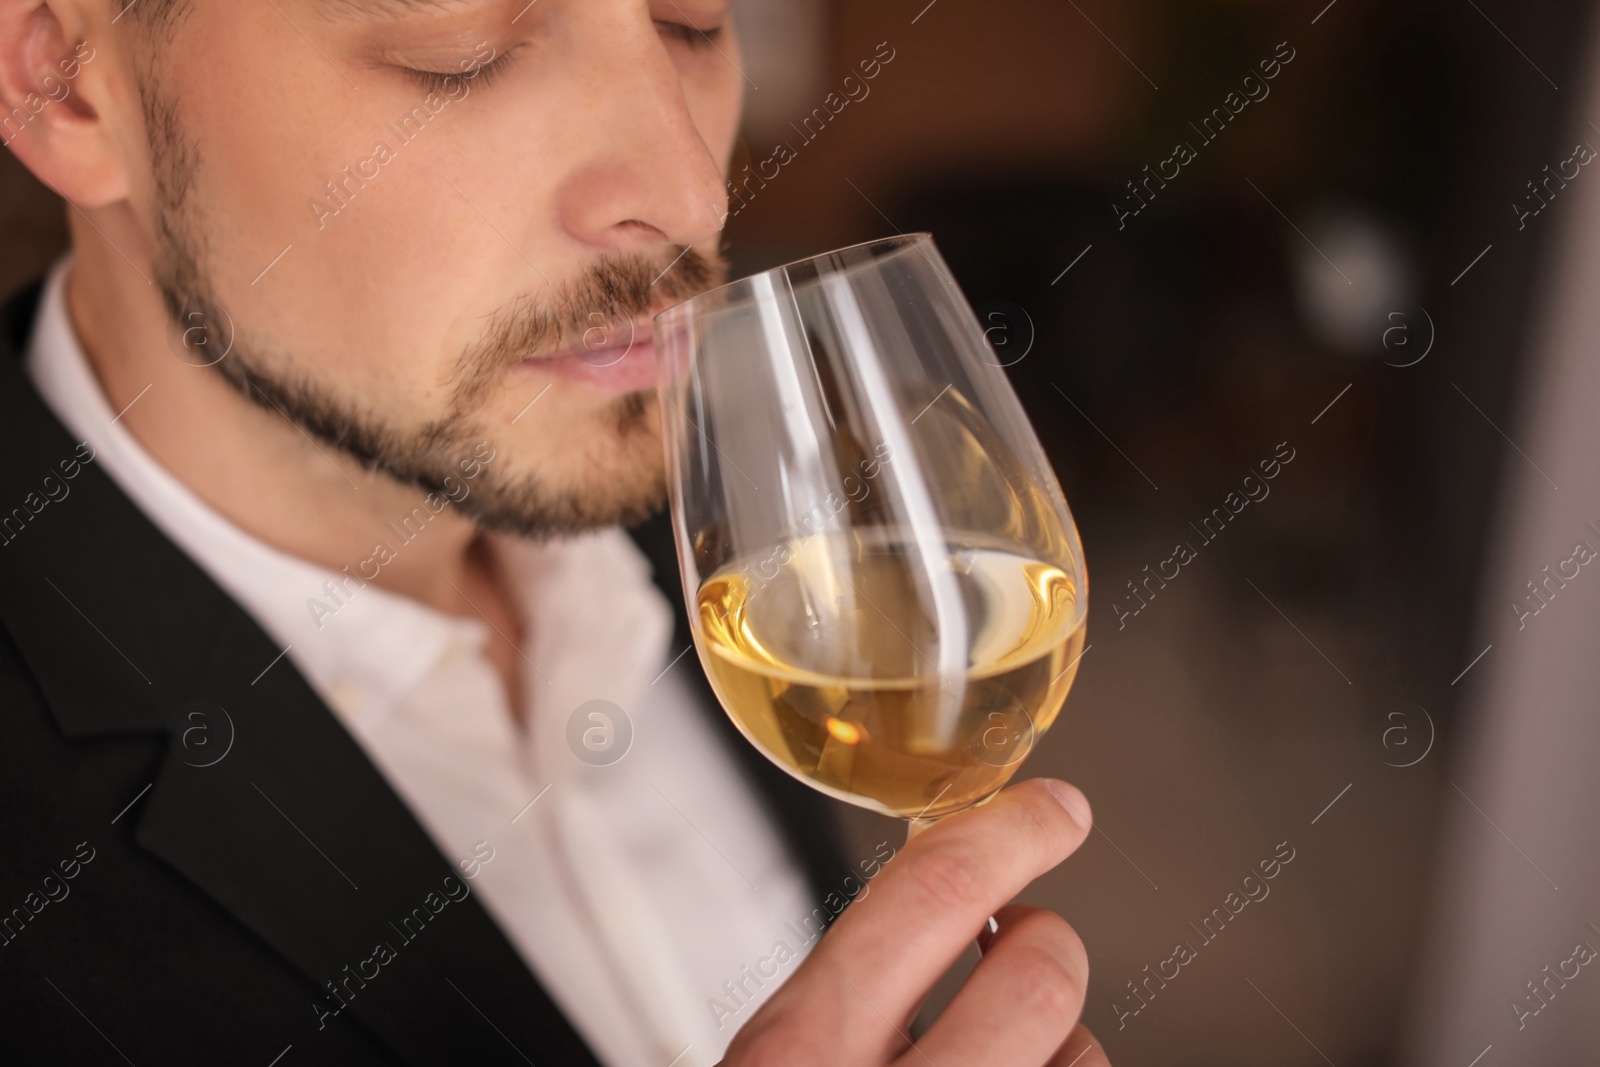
835 658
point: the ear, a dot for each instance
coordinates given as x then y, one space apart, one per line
57 90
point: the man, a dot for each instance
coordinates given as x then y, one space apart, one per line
314 454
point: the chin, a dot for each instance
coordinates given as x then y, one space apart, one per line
618 479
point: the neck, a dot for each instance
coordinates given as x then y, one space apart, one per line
248 462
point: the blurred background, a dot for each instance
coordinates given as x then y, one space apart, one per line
1168 336
1300 282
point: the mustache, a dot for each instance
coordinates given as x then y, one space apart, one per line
611 293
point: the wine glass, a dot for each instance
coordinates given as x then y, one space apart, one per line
885 585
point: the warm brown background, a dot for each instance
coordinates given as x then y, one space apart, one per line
1209 730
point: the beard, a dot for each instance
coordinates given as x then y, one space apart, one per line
512 496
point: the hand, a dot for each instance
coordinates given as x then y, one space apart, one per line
850 1004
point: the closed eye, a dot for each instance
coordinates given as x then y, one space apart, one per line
445 81
692 36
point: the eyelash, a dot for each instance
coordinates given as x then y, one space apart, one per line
690 35
439 81
480 76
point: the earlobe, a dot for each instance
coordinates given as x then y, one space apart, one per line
49 85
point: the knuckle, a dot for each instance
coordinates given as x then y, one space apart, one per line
946 877
1050 982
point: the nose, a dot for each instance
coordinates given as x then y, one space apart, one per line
650 175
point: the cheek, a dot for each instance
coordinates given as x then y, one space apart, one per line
715 94
384 284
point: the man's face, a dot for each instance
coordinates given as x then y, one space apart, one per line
427 224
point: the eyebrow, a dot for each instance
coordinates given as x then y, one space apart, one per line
341 10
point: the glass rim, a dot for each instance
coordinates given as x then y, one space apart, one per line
890 245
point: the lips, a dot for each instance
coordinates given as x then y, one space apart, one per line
615 359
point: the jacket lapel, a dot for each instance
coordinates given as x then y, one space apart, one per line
262 800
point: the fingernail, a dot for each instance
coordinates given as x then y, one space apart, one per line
1072 799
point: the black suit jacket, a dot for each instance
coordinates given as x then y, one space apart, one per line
159 905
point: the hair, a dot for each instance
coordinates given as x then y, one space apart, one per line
155 17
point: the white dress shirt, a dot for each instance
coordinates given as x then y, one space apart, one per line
633 890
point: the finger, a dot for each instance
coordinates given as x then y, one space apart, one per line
1082 1049
1022 1000
931 900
